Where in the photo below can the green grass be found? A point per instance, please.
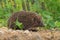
(48, 9)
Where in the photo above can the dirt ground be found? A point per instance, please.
(9, 34)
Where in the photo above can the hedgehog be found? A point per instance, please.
(28, 19)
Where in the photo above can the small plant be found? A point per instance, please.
(18, 24)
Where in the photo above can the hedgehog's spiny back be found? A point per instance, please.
(29, 20)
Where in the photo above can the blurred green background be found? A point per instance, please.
(48, 9)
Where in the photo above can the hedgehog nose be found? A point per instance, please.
(42, 25)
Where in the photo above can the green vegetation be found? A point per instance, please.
(48, 9)
(19, 24)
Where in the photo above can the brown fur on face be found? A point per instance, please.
(28, 19)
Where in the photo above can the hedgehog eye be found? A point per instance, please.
(39, 22)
